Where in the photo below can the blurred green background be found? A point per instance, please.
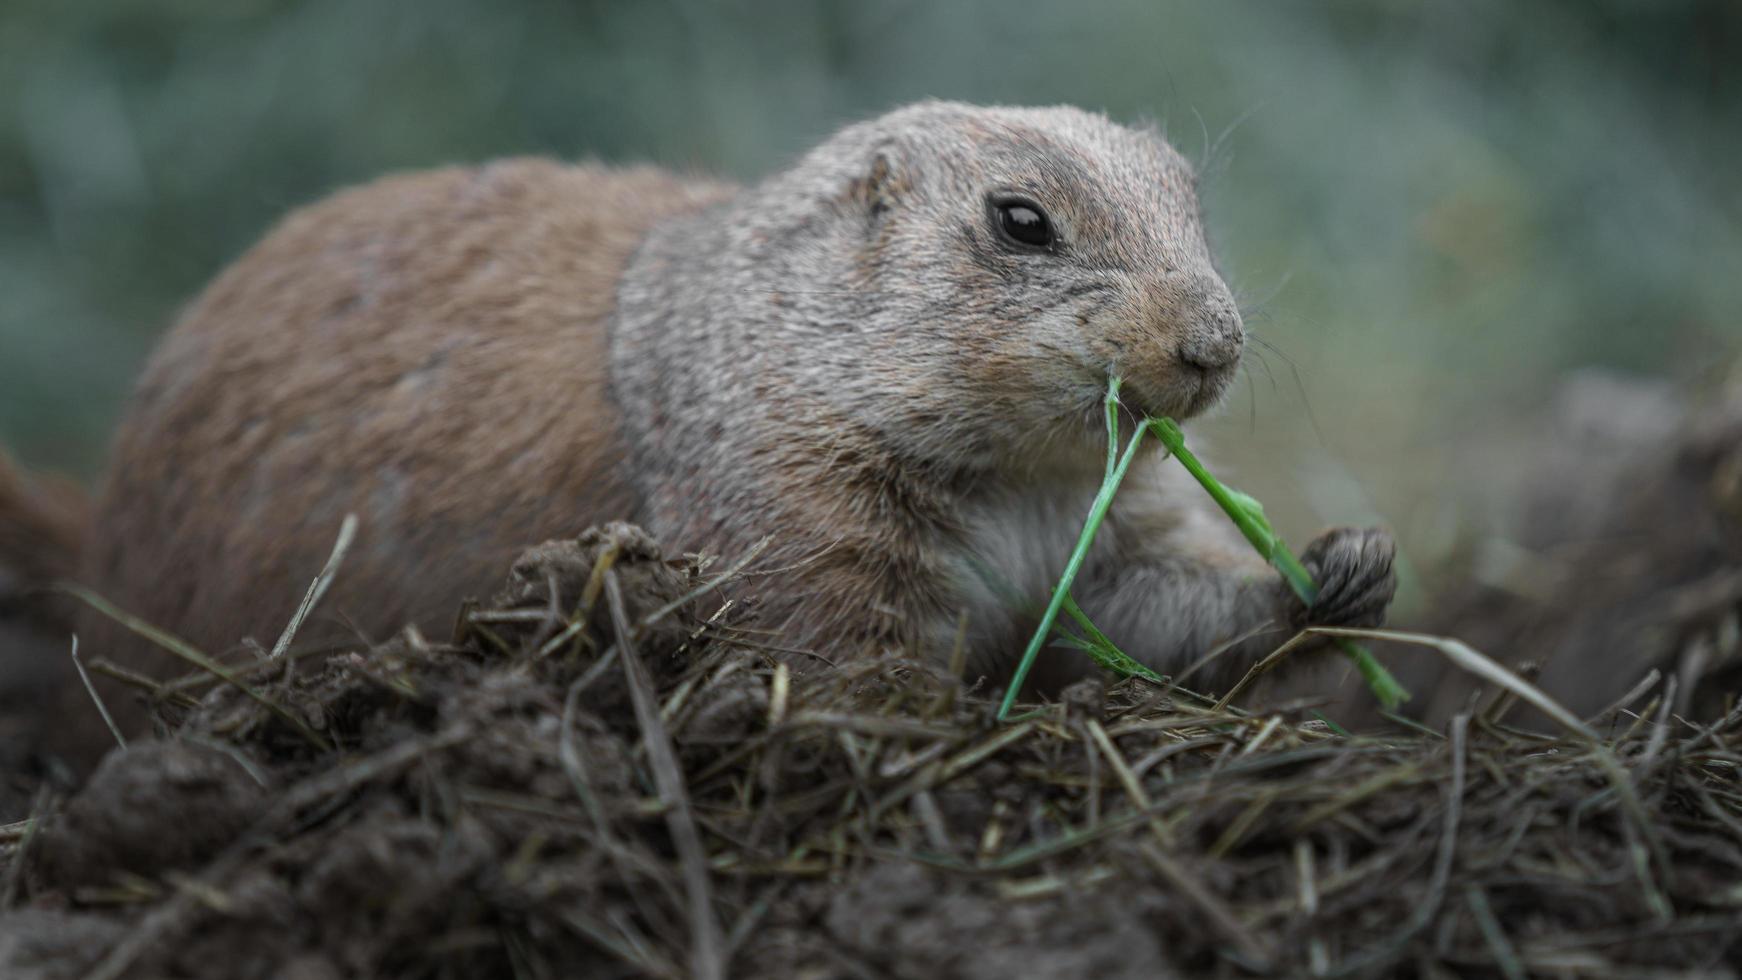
(1432, 210)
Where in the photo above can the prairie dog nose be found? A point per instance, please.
(1211, 336)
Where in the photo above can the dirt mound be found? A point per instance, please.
(1618, 551)
(603, 773)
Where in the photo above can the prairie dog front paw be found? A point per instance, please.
(1352, 567)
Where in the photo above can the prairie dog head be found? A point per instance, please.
(970, 276)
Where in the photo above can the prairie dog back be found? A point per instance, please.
(425, 350)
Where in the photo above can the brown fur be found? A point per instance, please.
(42, 535)
(427, 351)
(43, 522)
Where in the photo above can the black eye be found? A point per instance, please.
(1023, 222)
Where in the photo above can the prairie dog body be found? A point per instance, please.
(890, 357)
(428, 352)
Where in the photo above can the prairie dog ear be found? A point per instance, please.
(882, 185)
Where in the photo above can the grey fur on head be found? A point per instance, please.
(871, 279)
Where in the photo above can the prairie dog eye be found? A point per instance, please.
(1022, 222)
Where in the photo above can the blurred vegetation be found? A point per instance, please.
(1433, 208)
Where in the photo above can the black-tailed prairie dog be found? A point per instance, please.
(891, 357)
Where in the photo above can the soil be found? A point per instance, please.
(1618, 551)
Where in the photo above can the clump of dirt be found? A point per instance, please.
(1618, 552)
(115, 826)
(604, 772)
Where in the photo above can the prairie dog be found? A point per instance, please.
(891, 357)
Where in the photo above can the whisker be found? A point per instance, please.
(1272, 348)
(1204, 150)
(1252, 399)
(1245, 300)
(1212, 161)
(1299, 386)
(1266, 366)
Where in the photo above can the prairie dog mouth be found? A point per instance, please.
(1190, 394)
(1208, 388)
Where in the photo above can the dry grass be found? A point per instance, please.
(634, 787)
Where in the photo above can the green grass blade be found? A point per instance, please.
(1104, 651)
(1385, 688)
(1248, 515)
(1061, 592)
(1333, 726)
(1111, 405)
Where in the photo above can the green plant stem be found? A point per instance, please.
(1097, 513)
(1104, 651)
(1379, 680)
(1247, 515)
(1249, 518)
